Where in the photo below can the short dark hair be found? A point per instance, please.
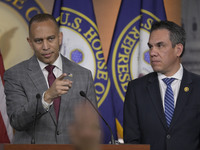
(41, 18)
(177, 33)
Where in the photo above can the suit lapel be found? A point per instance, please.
(38, 79)
(36, 75)
(65, 99)
(154, 91)
(183, 96)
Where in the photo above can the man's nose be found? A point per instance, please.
(45, 45)
(153, 51)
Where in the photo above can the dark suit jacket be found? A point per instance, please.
(144, 118)
(23, 82)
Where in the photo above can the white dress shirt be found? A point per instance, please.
(175, 85)
(57, 72)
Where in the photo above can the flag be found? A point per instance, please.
(6, 131)
(2, 69)
(81, 44)
(129, 54)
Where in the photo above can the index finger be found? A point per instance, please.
(62, 76)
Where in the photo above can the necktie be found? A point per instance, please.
(169, 100)
(51, 77)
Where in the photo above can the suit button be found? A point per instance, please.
(58, 132)
(168, 136)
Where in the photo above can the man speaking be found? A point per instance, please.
(48, 84)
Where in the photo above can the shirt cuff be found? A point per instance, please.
(45, 104)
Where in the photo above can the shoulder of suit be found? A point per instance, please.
(20, 66)
(144, 79)
(74, 65)
(193, 76)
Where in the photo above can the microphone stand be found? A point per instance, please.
(112, 137)
(35, 118)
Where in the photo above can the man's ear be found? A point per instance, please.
(60, 36)
(179, 49)
(30, 42)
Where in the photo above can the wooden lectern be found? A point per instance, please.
(69, 147)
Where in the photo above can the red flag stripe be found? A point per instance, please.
(2, 69)
(6, 131)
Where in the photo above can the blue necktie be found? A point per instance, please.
(169, 100)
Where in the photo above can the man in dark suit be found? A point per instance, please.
(57, 80)
(163, 108)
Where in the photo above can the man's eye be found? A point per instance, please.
(38, 41)
(51, 38)
(160, 45)
(150, 46)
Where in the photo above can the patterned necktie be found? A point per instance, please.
(169, 100)
(51, 78)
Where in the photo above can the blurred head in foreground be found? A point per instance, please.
(85, 132)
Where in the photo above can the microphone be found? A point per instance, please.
(38, 96)
(111, 133)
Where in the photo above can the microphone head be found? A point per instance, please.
(38, 96)
(82, 94)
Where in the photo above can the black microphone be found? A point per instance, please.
(38, 96)
(111, 133)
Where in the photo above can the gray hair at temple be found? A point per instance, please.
(177, 33)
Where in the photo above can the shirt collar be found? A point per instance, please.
(178, 75)
(57, 63)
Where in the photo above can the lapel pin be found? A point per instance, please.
(186, 89)
(70, 75)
